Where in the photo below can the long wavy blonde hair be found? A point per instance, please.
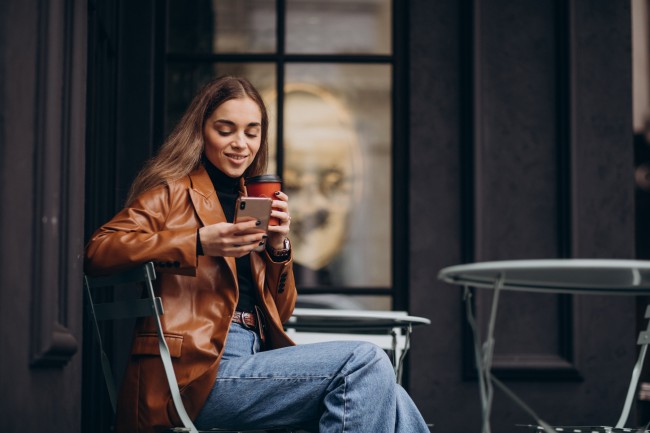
(181, 153)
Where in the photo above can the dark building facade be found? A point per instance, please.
(512, 140)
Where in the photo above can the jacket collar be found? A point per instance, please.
(200, 182)
(204, 197)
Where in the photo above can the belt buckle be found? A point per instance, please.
(246, 315)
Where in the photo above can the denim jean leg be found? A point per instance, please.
(240, 342)
(366, 398)
(408, 417)
(327, 387)
(266, 389)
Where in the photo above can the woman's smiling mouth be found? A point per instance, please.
(236, 157)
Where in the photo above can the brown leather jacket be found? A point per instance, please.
(199, 295)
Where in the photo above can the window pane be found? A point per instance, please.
(324, 26)
(185, 79)
(337, 173)
(221, 26)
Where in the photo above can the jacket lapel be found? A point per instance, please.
(206, 204)
(258, 269)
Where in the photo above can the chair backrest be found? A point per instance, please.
(147, 306)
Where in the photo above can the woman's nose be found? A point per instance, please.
(239, 141)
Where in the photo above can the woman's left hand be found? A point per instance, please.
(277, 234)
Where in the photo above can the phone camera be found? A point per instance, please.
(242, 205)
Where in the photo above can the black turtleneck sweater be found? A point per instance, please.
(228, 190)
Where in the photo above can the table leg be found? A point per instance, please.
(631, 391)
(478, 360)
(484, 354)
(643, 341)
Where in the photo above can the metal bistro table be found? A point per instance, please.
(571, 276)
(390, 330)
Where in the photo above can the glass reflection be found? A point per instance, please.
(337, 173)
(221, 26)
(324, 26)
(322, 173)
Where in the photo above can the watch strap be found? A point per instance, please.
(281, 253)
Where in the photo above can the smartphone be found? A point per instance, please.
(254, 209)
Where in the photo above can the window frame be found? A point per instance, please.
(397, 59)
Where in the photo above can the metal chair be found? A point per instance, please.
(147, 306)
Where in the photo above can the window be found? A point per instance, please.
(331, 98)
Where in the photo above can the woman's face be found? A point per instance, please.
(232, 135)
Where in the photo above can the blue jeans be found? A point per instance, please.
(344, 386)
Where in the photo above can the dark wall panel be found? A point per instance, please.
(120, 123)
(603, 195)
(41, 218)
(515, 137)
(521, 148)
(435, 217)
(517, 199)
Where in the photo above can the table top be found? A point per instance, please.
(332, 319)
(593, 276)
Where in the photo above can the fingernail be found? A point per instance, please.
(261, 243)
(264, 236)
(277, 193)
(258, 222)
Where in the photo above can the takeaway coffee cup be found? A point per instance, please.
(264, 186)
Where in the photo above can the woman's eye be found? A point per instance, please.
(223, 133)
(249, 135)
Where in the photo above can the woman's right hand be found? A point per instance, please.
(231, 240)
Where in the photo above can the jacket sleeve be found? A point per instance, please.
(139, 234)
(281, 283)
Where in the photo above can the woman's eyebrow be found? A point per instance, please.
(231, 123)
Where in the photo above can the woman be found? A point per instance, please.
(224, 302)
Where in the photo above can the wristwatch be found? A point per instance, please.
(282, 253)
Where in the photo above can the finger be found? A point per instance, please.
(284, 217)
(238, 250)
(249, 238)
(246, 225)
(280, 205)
(283, 230)
(281, 196)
